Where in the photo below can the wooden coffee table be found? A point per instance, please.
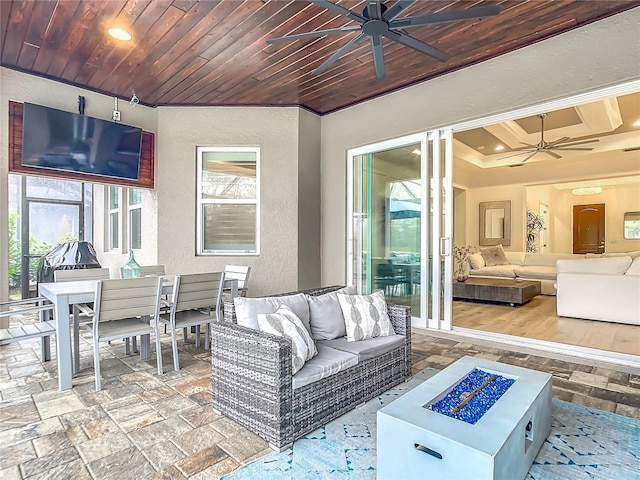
(497, 290)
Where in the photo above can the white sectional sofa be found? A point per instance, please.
(606, 289)
(524, 266)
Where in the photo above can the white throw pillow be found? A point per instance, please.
(476, 260)
(365, 316)
(285, 323)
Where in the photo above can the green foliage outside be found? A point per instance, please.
(15, 252)
(632, 229)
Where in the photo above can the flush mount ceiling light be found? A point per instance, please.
(587, 190)
(416, 151)
(636, 123)
(119, 34)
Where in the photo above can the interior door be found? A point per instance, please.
(588, 228)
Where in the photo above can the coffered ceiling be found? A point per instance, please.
(614, 159)
(609, 125)
(215, 52)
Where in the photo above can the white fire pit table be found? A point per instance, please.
(416, 442)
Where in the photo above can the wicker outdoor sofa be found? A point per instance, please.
(253, 383)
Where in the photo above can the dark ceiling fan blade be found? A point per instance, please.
(341, 10)
(373, 9)
(317, 33)
(378, 57)
(580, 142)
(441, 17)
(411, 42)
(352, 43)
(554, 155)
(397, 8)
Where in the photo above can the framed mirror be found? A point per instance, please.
(495, 223)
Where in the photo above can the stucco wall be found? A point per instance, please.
(309, 238)
(602, 54)
(275, 131)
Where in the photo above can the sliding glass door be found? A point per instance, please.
(395, 242)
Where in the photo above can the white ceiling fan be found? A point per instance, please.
(562, 144)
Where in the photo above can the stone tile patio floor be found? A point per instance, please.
(145, 426)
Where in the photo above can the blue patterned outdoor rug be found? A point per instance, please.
(584, 444)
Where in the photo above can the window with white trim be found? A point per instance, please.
(114, 218)
(135, 218)
(228, 192)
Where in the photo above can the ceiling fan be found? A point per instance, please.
(377, 21)
(562, 144)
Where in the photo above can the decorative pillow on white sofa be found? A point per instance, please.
(476, 260)
(285, 323)
(365, 316)
(611, 265)
(325, 314)
(247, 309)
(494, 256)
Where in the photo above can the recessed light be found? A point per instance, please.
(499, 148)
(119, 34)
(636, 123)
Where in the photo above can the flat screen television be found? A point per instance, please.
(68, 141)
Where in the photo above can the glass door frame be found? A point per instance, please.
(441, 235)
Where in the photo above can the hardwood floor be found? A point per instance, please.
(537, 319)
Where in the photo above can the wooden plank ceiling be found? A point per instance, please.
(187, 52)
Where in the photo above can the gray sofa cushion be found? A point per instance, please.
(328, 362)
(537, 272)
(326, 319)
(247, 309)
(366, 349)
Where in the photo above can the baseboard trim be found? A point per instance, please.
(558, 350)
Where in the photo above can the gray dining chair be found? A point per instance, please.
(122, 309)
(241, 274)
(82, 312)
(197, 300)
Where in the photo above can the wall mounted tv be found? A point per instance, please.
(68, 141)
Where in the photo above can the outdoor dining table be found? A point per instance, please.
(65, 294)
